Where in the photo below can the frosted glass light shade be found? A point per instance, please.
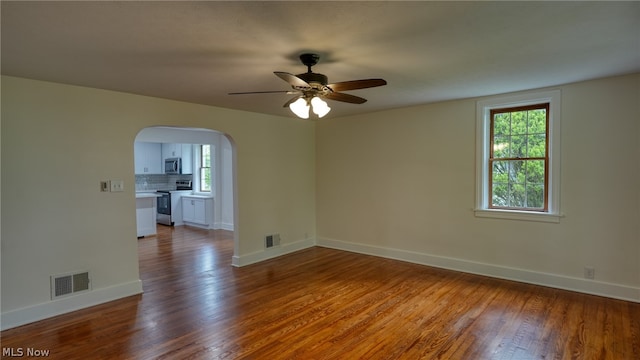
(300, 108)
(320, 107)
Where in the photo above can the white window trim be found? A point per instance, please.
(197, 157)
(483, 123)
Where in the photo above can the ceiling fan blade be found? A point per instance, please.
(291, 101)
(293, 80)
(264, 92)
(357, 84)
(345, 98)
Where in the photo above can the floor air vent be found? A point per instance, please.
(62, 285)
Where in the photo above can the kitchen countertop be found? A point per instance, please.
(146, 194)
(151, 194)
(198, 196)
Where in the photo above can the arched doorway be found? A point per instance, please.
(193, 143)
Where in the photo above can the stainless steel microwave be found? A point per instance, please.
(173, 166)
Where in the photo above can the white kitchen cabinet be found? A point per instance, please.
(187, 159)
(197, 210)
(147, 158)
(171, 150)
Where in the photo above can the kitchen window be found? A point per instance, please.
(204, 169)
(518, 153)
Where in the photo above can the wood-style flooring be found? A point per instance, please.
(326, 304)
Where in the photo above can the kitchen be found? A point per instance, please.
(183, 176)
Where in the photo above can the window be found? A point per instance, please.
(518, 158)
(518, 172)
(205, 168)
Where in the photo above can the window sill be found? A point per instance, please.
(202, 193)
(518, 215)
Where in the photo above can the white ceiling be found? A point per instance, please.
(427, 51)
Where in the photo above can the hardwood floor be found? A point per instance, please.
(327, 304)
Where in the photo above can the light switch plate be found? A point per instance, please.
(117, 185)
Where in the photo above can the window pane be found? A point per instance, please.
(500, 196)
(500, 183)
(535, 196)
(537, 121)
(519, 122)
(518, 146)
(206, 155)
(536, 145)
(501, 147)
(517, 196)
(517, 171)
(535, 171)
(205, 179)
(500, 172)
(502, 124)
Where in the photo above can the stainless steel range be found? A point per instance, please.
(169, 210)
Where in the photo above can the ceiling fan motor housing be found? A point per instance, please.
(312, 78)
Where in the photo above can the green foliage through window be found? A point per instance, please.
(205, 168)
(518, 161)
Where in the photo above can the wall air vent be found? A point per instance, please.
(67, 284)
(272, 240)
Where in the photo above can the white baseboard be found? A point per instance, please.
(616, 291)
(23, 316)
(272, 252)
(215, 226)
(223, 226)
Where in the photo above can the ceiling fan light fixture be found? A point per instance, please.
(300, 107)
(320, 107)
(313, 87)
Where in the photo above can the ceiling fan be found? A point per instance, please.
(310, 88)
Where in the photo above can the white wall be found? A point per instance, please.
(225, 184)
(400, 183)
(60, 141)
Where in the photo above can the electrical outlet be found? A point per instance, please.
(589, 272)
(117, 185)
